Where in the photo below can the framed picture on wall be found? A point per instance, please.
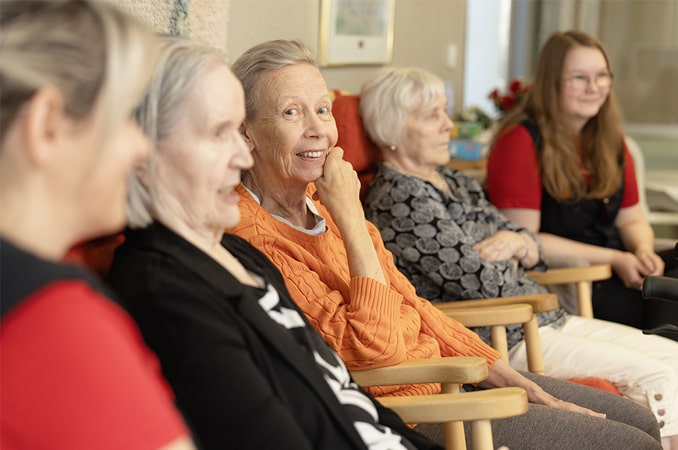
(354, 32)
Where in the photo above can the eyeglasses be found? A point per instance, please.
(580, 82)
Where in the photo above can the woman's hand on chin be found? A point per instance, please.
(339, 187)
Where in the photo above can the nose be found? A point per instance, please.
(592, 84)
(243, 154)
(449, 123)
(315, 126)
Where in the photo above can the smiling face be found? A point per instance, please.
(199, 163)
(293, 128)
(423, 145)
(586, 85)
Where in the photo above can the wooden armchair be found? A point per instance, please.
(499, 312)
(536, 303)
(450, 407)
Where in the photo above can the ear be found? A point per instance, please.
(141, 171)
(42, 126)
(246, 133)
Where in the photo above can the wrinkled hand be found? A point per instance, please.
(541, 397)
(561, 404)
(502, 375)
(339, 187)
(501, 246)
(630, 269)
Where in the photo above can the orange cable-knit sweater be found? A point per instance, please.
(368, 323)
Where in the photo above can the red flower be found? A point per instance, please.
(515, 86)
(514, 95)
(507, 102)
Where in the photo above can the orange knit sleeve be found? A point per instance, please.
(359, 317)
(454, 339)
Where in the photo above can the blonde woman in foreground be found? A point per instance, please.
(75, 372)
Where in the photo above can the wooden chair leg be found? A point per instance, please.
(481, 435)
(455, 437)
(535, 357)
(499, 341)
(584, 299)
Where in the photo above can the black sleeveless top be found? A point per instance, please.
(24, 273)
(590, 221)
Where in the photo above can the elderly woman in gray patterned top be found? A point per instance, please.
(453, 244)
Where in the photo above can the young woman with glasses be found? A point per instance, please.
(559, 166)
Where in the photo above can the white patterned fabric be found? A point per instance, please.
(358, 406)
(431, 234)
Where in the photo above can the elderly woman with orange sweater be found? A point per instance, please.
(300, 206)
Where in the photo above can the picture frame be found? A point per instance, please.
(356, 32)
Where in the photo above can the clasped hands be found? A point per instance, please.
(632, 268)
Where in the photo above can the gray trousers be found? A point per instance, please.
(627, 426)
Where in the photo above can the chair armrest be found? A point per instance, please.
(492, 315)
(538, 302)
(594, 272)
(581, 277)
(488, 404)
(456, 370)
(451, 409)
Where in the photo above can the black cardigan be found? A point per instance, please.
(240, 380)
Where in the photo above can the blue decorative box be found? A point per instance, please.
(465, 149)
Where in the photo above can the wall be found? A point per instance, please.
(422, 31)
(204, 20)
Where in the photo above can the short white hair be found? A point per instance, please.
(265, 58)
(388, 98)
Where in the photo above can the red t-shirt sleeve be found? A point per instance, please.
(631, 196)
(76, 374)
(513, 179)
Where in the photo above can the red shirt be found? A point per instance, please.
(75, 374)
(513, 179)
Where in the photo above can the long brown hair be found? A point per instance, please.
(601, 138)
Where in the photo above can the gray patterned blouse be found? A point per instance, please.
(432, 233)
